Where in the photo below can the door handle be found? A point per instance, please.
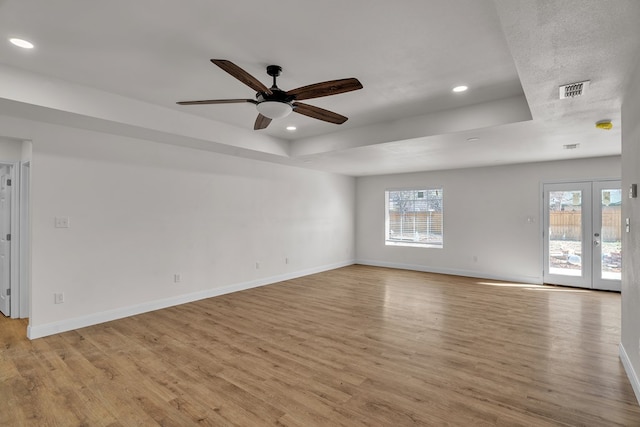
(596, 243)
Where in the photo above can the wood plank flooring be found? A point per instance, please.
(353, 346)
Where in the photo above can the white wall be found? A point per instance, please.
(630, 341)
(486, 213)
(10, 150)
(142, 211)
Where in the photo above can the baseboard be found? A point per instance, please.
(453, 272)
(52, 328)
(631, 373)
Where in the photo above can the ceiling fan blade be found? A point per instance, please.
(332, 87)
(217, 101)
(318, 113)
(241, 75)
(261, 122)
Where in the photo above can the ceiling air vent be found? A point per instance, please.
(573, 90)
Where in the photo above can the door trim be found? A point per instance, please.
(24, 239)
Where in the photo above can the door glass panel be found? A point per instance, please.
(565, 233)
(611, 234)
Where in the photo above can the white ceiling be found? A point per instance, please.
(121, 65)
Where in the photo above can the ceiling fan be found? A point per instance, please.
(274, 103)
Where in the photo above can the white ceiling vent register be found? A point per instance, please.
(573, 90)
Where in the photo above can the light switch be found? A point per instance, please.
(62, 222)
(58, 298)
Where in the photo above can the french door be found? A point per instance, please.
(582, 234)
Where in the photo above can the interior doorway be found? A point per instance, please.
(582, 234)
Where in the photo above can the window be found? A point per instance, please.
(414, 218)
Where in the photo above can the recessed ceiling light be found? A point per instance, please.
(460, 88)
(291, 128)
(22, 43)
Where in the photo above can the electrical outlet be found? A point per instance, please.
(58, 298)
(257, 266)
(177, 278)
(62, 222)
(286, 260)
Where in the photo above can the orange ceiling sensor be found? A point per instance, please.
(604, 124)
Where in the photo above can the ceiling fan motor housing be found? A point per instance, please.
(276, 95)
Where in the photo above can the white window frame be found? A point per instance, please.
(419, 240)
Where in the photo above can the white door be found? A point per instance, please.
(5, 244)
(582, 232)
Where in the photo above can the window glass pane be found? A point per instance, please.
(611, 234)
(414, 217)
(565, 233)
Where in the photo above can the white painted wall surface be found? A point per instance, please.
(486, 213)
(630, 340)
(141, 212)
(10, 150)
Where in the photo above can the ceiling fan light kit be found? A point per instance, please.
(274, 103)
(274, 109)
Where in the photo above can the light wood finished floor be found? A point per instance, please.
(354, 346)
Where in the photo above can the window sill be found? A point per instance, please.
(414, 244)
